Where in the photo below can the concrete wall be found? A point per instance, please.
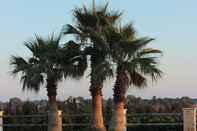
(189, 119)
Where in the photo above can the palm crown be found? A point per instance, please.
(135, 61)
(88, 29)
(41, 66)
(49, 62)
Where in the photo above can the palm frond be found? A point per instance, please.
(102, 71)
(32, 81)
(137, 79)
(74, 60)
(128, 32)
(71, 30)
(134, 45)
(148, 51)
(19, 65)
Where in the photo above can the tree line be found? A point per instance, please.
(78, 110)
(78, 105)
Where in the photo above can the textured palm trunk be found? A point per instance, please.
(97, 111)
(96, 93)
(53, 114)
(53, 109)
(118, 122)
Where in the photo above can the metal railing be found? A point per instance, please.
(81, 122)
(155, 122)
(135, 122)
(37, 122)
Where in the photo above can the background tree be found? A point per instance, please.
(29, 108)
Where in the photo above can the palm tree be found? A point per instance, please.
(89, 27)
(135, 63)
(44, 67)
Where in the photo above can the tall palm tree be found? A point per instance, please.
(88, 29)
(44, 67)
(135, 63)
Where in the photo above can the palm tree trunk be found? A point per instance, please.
(53, 109)
(96, 93)
(52, 115)
(97, 110)
(118, 122)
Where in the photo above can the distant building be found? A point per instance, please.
(15, 105)
(1, 106)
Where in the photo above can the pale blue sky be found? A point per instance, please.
(172, 22)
